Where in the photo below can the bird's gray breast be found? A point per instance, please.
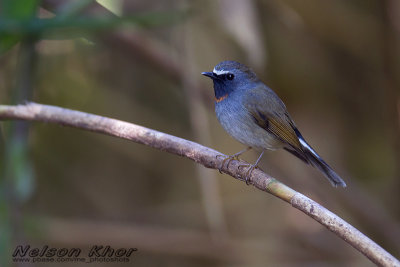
(239, 123)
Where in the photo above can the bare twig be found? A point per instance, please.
(207, 157)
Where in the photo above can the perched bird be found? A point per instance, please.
(254, 115)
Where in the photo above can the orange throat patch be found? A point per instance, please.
(217, 100)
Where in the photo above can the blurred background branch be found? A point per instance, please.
(16, 169)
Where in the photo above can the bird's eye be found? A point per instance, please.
(230, 76)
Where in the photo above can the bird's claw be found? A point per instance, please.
(250, 169)
(227, 159)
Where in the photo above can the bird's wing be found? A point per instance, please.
(269, 112)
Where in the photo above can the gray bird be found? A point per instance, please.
(254, 115)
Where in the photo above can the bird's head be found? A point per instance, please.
(230, 76)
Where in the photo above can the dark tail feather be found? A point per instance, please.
(309, 156)
(320, 164)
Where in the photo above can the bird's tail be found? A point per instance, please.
(311, 157)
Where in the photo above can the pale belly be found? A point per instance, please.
(241, 126)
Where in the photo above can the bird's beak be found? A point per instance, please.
(209, 74)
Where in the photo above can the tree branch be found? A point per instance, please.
(208, 158)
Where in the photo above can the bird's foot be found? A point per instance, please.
(227, 159)
(251, 168)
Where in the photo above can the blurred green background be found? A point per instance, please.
(334, 63)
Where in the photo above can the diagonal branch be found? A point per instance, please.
(208, 158)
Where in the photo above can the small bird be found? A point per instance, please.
(254, 115)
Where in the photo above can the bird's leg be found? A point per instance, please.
(232, 157)
(251, 168)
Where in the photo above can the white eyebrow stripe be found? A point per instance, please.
(220, 72)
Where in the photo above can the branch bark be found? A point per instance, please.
(206, 157)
